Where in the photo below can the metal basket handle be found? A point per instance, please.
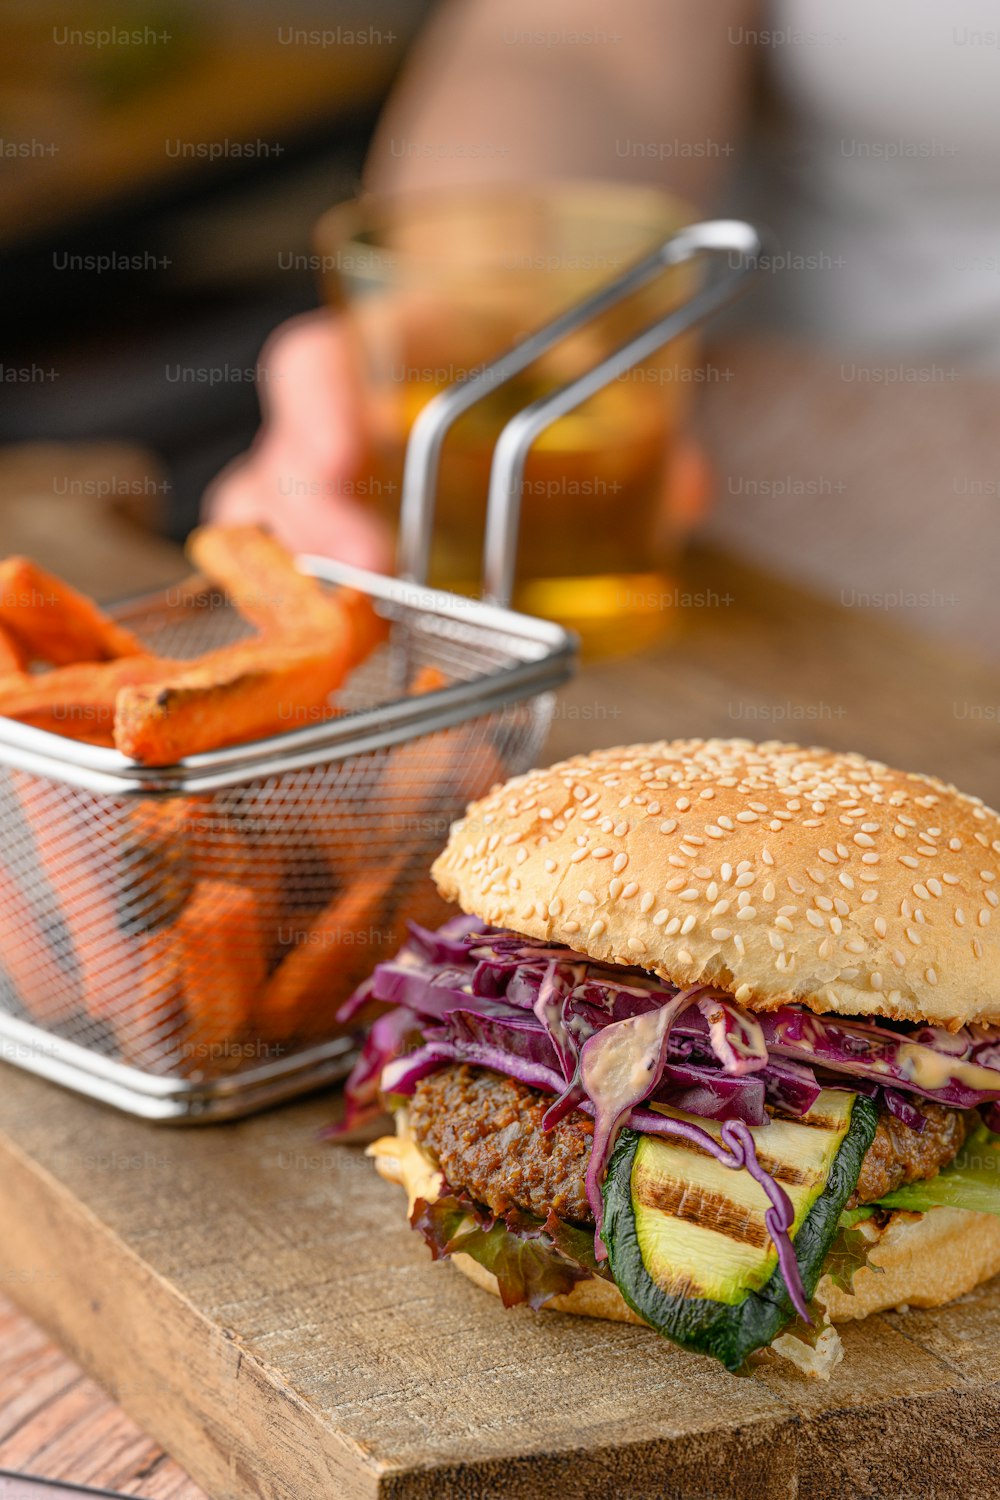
(738, 241)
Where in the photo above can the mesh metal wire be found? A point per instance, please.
(198, 936)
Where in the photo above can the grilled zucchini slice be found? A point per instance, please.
(686, 1238)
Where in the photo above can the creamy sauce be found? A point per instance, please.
(929, 1070)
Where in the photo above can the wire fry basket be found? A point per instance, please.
(176, 942)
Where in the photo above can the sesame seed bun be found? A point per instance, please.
(780, 874)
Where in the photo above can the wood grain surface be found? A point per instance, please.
(257, 1302)
(57, 1423)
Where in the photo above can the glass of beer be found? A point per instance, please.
(434, 287)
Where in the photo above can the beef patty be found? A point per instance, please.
(485, 1133)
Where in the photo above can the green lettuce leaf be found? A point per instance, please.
(850, 1249)
(533, 1260)
(971, 1181)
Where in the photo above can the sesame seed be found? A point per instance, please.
(869, 895)
(721, 934)
(721, 907)
(726, 872)
(546, 814)
(690, 894)
(745, 879)
(739, 944)
(587, 898)
(682, 804)
(880, 928)
(668, 826)
(865, 840)
(684, 956)
(825, 948)
(922, 892)
(854, 945)
(577, 855)
(776, 940)
(615, 888)
(602, 853)
(934, 886)
(977, 947)
(661, 916)
(768, 891)
(984, 916)
(784, 924)
(636, 945)
(550, 866)
(672, 926)
(746, 817)
(914, 936)
(631, 889)
(621, 860)
(688, 923)
(647, 902)
(814, 918)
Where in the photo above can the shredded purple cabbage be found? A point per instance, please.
(614, 1041)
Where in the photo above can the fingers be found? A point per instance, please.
(309, 393)
(296, 478)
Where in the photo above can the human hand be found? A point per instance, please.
(296, 478)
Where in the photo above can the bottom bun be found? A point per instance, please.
(926, 1260)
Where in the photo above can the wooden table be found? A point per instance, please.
(256, 1301)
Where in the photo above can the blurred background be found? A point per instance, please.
(166, 164)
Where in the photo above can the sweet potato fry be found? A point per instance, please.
(27, 957)
(13, 657)
(426, 680)
(156, 872)
(78, 856)
(281, 686)
(261, 578)
(149, 1017)
(55, 623)
(222, 964)
(333, 954)
(77, 700)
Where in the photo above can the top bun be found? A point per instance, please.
(778, 873)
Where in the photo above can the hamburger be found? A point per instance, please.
(713, 1045)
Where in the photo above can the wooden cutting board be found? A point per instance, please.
(256, 1300)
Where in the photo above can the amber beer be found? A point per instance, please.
(436, 289)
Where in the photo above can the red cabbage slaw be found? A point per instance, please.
(614, 1042)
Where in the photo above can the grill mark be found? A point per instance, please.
(779, 1170)
(710, 1210)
